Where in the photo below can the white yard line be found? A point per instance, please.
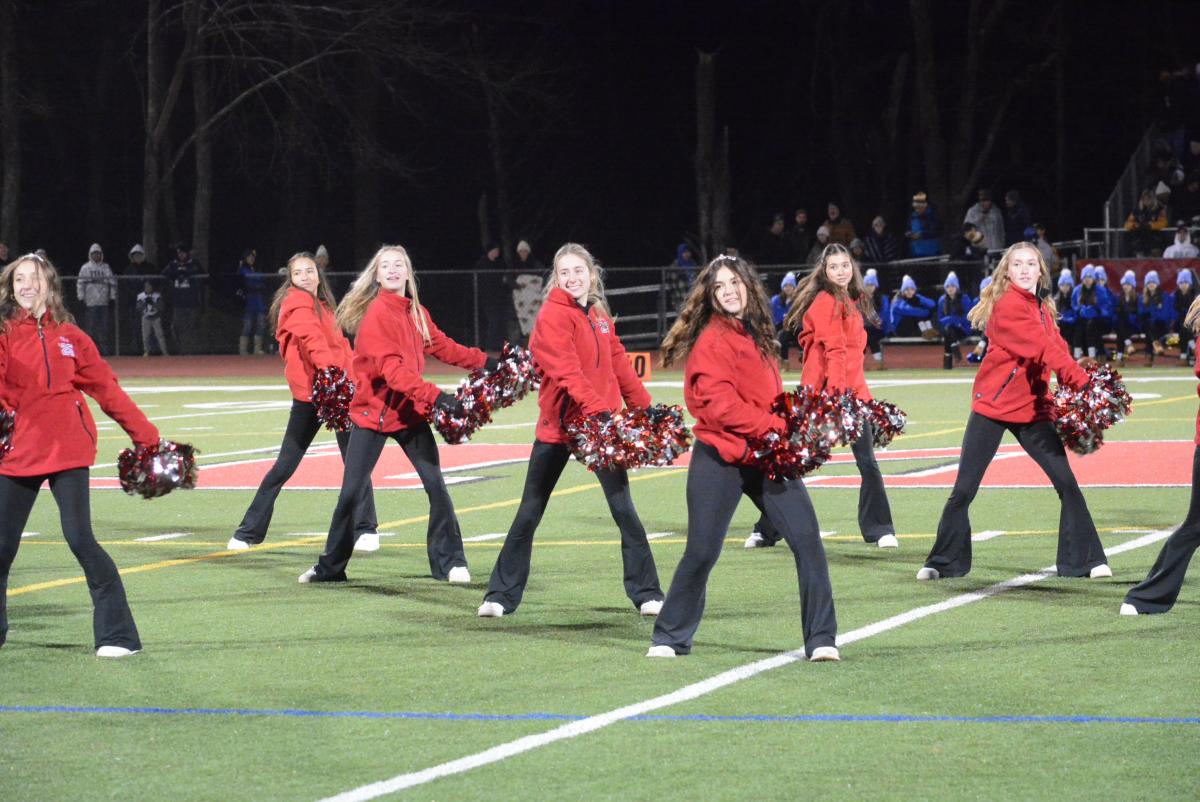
(694, 691)
(488, 536)
(168, 536)
(988, 534)
(30, 534)
(657, 535)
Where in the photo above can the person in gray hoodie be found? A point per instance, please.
(97, 288)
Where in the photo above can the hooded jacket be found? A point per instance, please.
(45, 368)
(833, 339)
(309, 342)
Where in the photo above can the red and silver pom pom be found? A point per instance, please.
(635, 438)
(482, 392)
(1081, 416)
(887, 420)
(8, 420)
(153, 471)
(816, 422)
(332, 393)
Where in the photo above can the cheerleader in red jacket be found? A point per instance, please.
(731, 377)
(1012, 393)
(1158, 592)
(46, 364)
(302, 313)
(829, 309)
(393, 333)
(585, 372)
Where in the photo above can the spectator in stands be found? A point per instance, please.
(254, 310)
(685, 263)
(1158, 312)
(772, 247)
(841, 230)
(1186, 199)
(924, 229)
(818, 248)
(799, 239)
(971, 247)
(856, 250)
(1016, 217)
(138, 266)
(952, 310)
(527, 292)
(149, 310)
(1062, 302)
(1108, 298)
(1182, 248)
(320, 257)
(912, 314)
(876, 333)
(495, 297)
(1148, 218)
(988, 219)
(1127, 312)
(185, 275)
(1185, 293)
(880, 245)
(128, 291)
(980, 351)
(1090, 315)
(780, 304)
(97, 288)
(1037, 235)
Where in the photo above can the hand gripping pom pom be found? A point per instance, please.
(153, 471)
(1081, 416)
(8, 420)
(481, 393)
(332, 393)
(635, 438)
(887, 420)
(816, 422)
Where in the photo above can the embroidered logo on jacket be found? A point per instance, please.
(602, 326)
(66, 347)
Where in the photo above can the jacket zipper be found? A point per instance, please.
(83, 423)
(1011, 376)
(595, 336)
(387, 402)
(45, 353)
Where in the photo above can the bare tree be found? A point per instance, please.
(711, 164)
(10, 122)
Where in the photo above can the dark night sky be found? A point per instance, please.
(615, 164)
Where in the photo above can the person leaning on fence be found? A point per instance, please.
(1157, 311)
(1127, 316)
(185, 274)
(97, 288)
(149, 310)
(254, 310)
(780, 304)
(1148, 218)
(952, 309)
(1067, 319)
(1091, 315)
(912, 313)
(1183, 297)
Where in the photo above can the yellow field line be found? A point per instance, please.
(1140, 404)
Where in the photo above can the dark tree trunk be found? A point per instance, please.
(366, 172)
(202, 106)
(10, 124)
(703, 165)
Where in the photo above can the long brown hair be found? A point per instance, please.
(10, 308)
(595, 295)
(701, 307)
(366, 287)
(323, 301)
(818, 281)
(982, 311)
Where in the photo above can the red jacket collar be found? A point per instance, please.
(563, 298)
(401, 303)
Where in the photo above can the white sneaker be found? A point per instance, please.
(367, 541)
(660, 651)
(115, 651)
(928, 573)
(236, 545)
(490, 610)
(1100, 572)
(652, 607)
(825, 654)
(459, 575)
(888, 542)
(1129, 609)
(755, 540)
(308, 576)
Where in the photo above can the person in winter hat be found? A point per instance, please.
(876, 331)
(977, 355)
(952, 309)
(1062, 302)
(1090, 303)
(97, 288)
(1127, 315)
(912, 313)
(1157, 313)
(1185, 293)
(1182, 248)
(780, 304)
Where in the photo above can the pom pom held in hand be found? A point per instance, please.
(816, 422)
(483, 392)
(332, 393)
(8, 420)
(631, 439)
(1081, 416)
(887, 420)
(153, 471)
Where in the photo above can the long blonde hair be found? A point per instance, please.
(322, 301)
(354, 305)
(10, 308)
(1192, 318)
(595, 295)
(982, 311)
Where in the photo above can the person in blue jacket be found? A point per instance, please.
(924, 228)
(912, 314)
(876, 333)
(1185, 293)
(780, 304)
(1062, 301)
(976, 356)
(1090, 307)
(254, 313)
(1127, 314)
(1109, 297)
(1158, 312)
(952, 310)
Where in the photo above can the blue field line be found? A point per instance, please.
(804, 718)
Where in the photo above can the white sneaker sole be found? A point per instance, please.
(458, 575)
(660, 651)
(115, 652)
(236, 545)
(1100, 572)
(825, 654)
(926, 574)
(367, 542)
(888, 542)
(650, 608)
(490, 610)
(1129, 609)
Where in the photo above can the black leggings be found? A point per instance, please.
(302, 427)
(1156, 330)
(1079, 548)
(443, 539)
(112, 622)
(1090, 334)
(546, 463)
(874, 340)
(874, 511)
(1159, 590)
(714, 487)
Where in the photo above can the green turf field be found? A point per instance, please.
(252, 686)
